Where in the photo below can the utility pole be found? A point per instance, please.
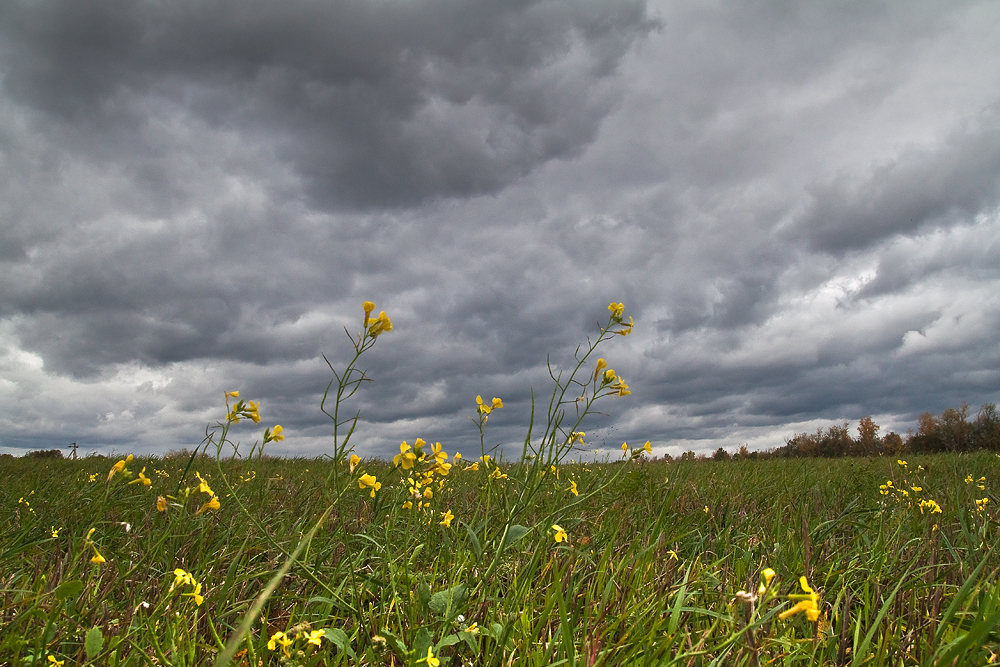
(74, 448)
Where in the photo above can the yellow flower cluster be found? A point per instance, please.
(242, 409)
(485, 409)
(425, 465)
(213, 501)
(377, 325)
(617, 317)
(97, 558)
(121, 467)
(807, 602)
(183, 578)
(614, 383)
(910, 491)
(280, 640)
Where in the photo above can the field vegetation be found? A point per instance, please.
(226, 556)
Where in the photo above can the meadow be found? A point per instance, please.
(228, 557)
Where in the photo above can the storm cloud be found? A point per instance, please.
(797, 202)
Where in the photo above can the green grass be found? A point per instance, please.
(895, 589)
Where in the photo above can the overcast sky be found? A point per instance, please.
(797, 202)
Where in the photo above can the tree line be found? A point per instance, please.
(951, 431)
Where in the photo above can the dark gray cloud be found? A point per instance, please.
(798, 204)
(374, 103)
(947, 185)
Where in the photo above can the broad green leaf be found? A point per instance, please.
(69, 589)
(340, 639)
(93, 642)
(447, 603)
(514, 533)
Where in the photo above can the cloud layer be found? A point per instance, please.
(798, 205)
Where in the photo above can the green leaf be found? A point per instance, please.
(423, 595)
(447, 603)
(69, 589)
(93, 642)
(514, 533)
(340, 639)
(477, 548)
(422, 642)
(397, 643)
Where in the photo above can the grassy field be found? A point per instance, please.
(650, 571)
(433, 560)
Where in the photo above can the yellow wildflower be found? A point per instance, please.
(119, 467)
(621, 388)
(627, 330)
(497, 403)
(446, 518)
(355, 460)
(559, 533)
(276, 433)
(577, 437)
(93, 478)
(601, 365)
(211, 504)
(406, 458)
(572, 488)
(482, 407)
(616, 309)
(368, 307)
(369, 481)
(407, 505)
(251, 411)
(161, 504)
(430, 659)
(673, 554)
(980, 505)
(232, 394)
(203, 486)
(97, 557)
(931, 506)
(609, 376)
(807, 603)
(54, 531)
(901, 462)
(380, 325)
(473, 629)
(196, 594)
(55, 663)
(648, 448)
(472, 466)
(142, 479)
(313, 637)
(624, 449)
(496, 474)
(281, 638)
(767, 574)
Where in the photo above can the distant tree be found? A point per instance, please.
(986, 428)
(955, 430)
(928, 438)
(45, 454)
(837, 441)
(720, 455)
(869, 444)
(892, 444)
